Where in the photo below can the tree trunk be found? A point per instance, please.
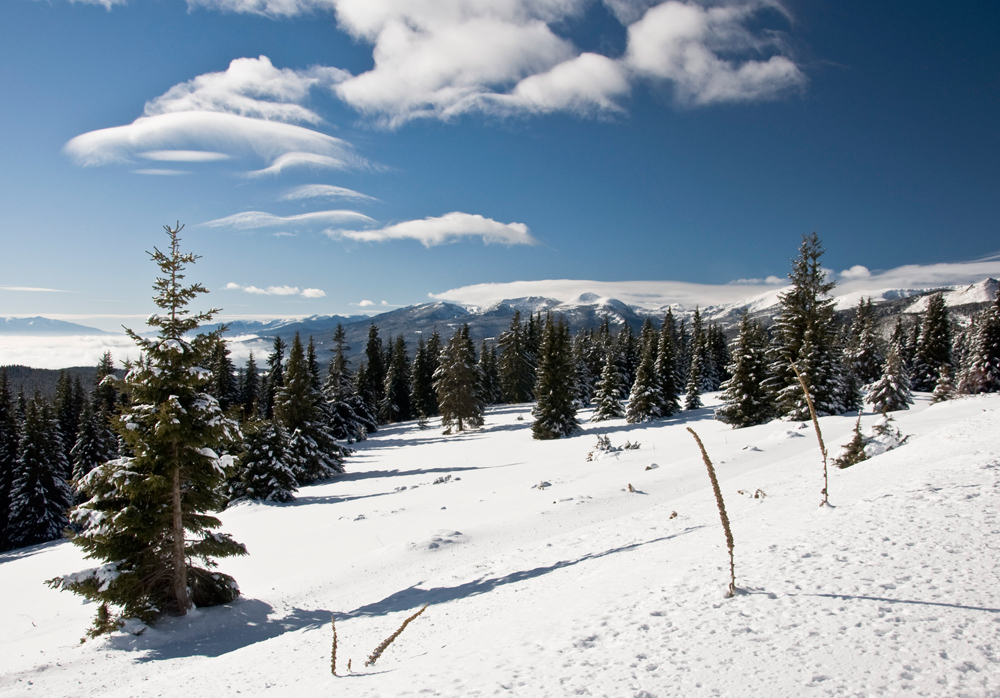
(179, 572)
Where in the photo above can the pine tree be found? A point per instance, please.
(746, 400)
(490, 371)
(609, 404)
(933, 349)
(983, 372)
(68, 405)
(807, 311)
(863, 347)
(457, 382)
(584, 379)
(275, 376)
(718, 350)
(644, 402)
(422, 395)
(314, 453)
(338, 380)
(223, 386)
(250, 393)
(397, 406)
(944, 389)
(555, 410)
(666, 366)
(627, 354)
(92, 446)
(39, 497)
(105, 395)
(692, 393)
(148, 516)
(372, 382)
(265, 473)
(8, 455)
(892, 391)
(515, 363)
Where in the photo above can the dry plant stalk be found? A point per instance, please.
(333, 653)
(388, 641)
(819, 435)
(731, 591)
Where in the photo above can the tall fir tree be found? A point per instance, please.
(490, 371)
(666, 366)
(609, 403)
(148, 516)
(397, 406)
(264, 470)
(371, 383)
(92, 447)
(863, 347)
(933, 349)
(807, 313)
(718, 350)
(275, 375)
(982, 373)
(223, 386)
(745, 399)
(68, 405)
(250, 392)
(422, 396)
(8, 455)
(692, 391)
(555, 408)
(891, 391)
(40, 499)
(645, 398)
(338, 380)
(298, 407)
(515, 363)
(457, 382)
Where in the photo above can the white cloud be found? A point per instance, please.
(925, 275)
(769, 281)
(184, 156)
(32, 289)
(685, 44)
(366, 304)
(63, 351)
(211, 131)
(161, 173)
(324, 191)
(287, 160)
(587, 83)
(276, 290)
(450, 227)
(855, 272)
(106, 4)
(251, 220)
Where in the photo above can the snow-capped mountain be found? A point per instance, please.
(41, 326)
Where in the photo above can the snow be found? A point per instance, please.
(581, 587)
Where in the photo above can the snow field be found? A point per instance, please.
(581, 587)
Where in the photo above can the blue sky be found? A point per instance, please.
(325, 153)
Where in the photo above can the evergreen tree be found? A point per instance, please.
(666, 366)
(644, 402)
(627, 353)
(515, 364)
(8, 455)
(371, 385)
(298, 407)
(807, 312)
(490, 371)
(609, 404)
(422, 396)
(397, 406)
(892, 390)
(933, 349)
(457, 381)
(701, 357)
(265, 473)
(863, 347)
(746, 401)
(250, 393)
(92, 446)
(105, 395)
(39, 497)
(555, 410)
(223, 386)
(338, 380)
(692, 392)
(718, 350)
(584, 378)
(148, 516)
(944, 389)
(275, 375)
(68, 405)
(983, 372)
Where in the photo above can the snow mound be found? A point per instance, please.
(439, 540)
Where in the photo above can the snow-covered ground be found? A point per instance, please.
(580, 587)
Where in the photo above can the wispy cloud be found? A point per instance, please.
(251, 220)
(33, 289)
(184, 156)
(769, 281)
(324, 191)
(314, 160)
(276, 290)
(155, 172)
(450, 227)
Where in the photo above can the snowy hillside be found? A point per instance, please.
(578, 587)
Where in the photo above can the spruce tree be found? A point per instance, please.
(338, 380)
(39, 497)
(397, 406)
(746, 400)
(265, 473)
(666, 366)
(555, 409)
(250, 394)
(275, 375)
(457, 382)
(983, 372)
(933, 348)
(609, 404)
(68, 405)
(864, 349)
(692, 391)
(223, 386)
(490, 371)
(944, 389)
(105, 395)
(515, 363)
(372, 382)
(148, 517)
(892, 390)
(422, 396)
(313, 452)
(644, 401)
(807, 311)
(8, 455)
(92, 446)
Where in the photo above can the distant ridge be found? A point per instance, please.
(41, 326)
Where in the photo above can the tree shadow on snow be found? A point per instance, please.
(414, 596)
(214, 632)
(30, 550)
(368, 474)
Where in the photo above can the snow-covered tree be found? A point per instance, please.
(39, 497)
(555, 407)
(933, 349)
(275, 376)
(807, 314)
(609, 404)
(371, 381)
(982, 375)
(746, 400)
(396, 406)
(490, 371)
(666, 366)
(8, 454)
(94, 445)
(692, 391)
(944, 389)
(515, 363)
(863, 347)
(645, 398)
(422, 395)
(457, 382)
(264, 470)
(148, 515)
(892, 390)
(223, 386)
